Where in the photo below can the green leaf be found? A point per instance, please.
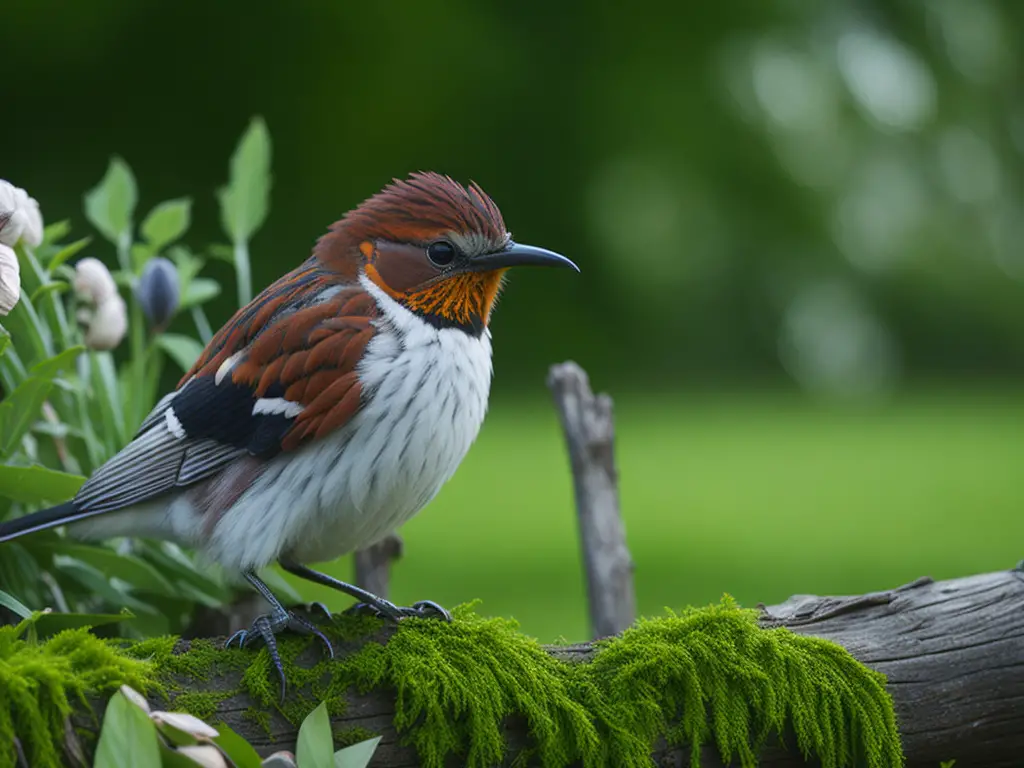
(174, 564)
(5, 340)
(20, 409)
(33, 485)
(238, 749)
(134, 570)
(14, 605)
(128, 738)
(222, 252)
(50, 623)
(243, 202)
(110, 204)
(62, 361)
(140, 253)
(188, 264)
(67, 252)
(356, 756)
(184, 350)
(200, 291)
(316, 741)
(167, 222)
(172, 758)
(56, 231)
(107, 393)
(54, 286)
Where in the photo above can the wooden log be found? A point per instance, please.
(589, 429)
(953, 652)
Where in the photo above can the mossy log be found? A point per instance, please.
(952, 653)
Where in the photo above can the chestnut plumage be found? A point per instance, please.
(328, 410)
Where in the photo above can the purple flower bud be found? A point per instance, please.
(157, 291)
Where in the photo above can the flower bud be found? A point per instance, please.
(10, 279)
(158, 292)
(93, 281)
(103, 314)
(25, 221)
(106, 324)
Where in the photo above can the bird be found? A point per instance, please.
(326, 412)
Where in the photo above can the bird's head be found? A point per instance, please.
(438, 248)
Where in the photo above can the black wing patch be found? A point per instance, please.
(190, 436)
(224, 413)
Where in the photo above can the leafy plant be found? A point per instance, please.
(133, 736)
(71, 401)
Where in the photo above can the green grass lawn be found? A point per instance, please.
(760, 496)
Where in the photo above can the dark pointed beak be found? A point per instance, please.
(516, 255)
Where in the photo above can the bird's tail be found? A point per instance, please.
(40, 521)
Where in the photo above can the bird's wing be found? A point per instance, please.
(280, 373)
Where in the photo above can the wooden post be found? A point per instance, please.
(590, 436)
(373, 565)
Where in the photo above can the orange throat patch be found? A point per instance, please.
(461, 298)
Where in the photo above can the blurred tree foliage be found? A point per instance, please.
(828, 191)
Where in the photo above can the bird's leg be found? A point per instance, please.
(267, 626)
(378, 605)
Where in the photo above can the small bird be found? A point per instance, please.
(329, 410)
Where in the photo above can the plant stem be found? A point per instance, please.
(202, 324)
(243, 272)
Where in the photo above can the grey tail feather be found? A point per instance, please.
(41, 520)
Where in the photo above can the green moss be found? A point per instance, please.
(713, 675)
(41, 681)
(708, 675)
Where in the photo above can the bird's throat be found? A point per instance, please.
(464, 301)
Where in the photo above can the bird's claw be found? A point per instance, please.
(265, 628)
(384, 609)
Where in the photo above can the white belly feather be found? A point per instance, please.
(425, 392)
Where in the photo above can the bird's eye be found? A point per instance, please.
(441, 253)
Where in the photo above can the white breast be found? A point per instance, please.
(425, 392)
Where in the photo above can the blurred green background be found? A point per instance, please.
(801, 228)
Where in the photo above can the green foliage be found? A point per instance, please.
(42, 680)
(357, 755)
(315, 748)
(166, 223)
(66, 410)
(110, 204)
(245, 200)
(128, 737)
(37, 484)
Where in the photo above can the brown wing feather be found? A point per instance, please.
(310, 357)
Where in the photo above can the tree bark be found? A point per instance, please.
(953, 652)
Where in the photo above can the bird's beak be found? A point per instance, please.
(516, 255)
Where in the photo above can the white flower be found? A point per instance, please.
(26, 220)
(10, 279)
(106, 324)
(183, 721)
(93, 281)
(204, 755)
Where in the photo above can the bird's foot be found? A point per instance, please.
(423, 609)
(316, 608)
(265, 629)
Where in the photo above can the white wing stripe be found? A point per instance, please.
(272, 406)
(173, 425)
